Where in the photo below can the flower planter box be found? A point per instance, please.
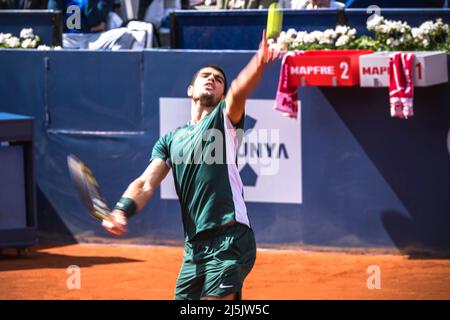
(430, 68)
(326, 68)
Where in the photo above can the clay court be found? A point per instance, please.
(150, 272)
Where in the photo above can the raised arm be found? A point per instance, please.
(140, 191)
(247, 80)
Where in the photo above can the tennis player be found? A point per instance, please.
(220, 247)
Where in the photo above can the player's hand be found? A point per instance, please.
(116, 224)
(265, 53)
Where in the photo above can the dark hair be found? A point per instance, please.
(225, 86)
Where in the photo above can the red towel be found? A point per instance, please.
(287, 97)
(401, 86)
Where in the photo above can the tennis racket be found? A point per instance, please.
(88, 190)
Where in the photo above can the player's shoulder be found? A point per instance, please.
(222, 104)
(169, 135)
(220, 107)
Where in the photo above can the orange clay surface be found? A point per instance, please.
(150, 272)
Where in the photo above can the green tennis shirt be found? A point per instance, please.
(203, 159)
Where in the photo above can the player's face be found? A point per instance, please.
(208, 86)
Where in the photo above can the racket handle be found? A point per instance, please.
(107, 224)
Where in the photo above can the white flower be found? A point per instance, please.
(426, 27)
(291, 33)
(308, 38)
(13, 42)
(439, 25)
(316, 35)
(416, 32)
(29, 43)
(383, 28)
(330, 33)
(283, 41)
(405, 28)
(327, 37)
(425, 42)
(282, 37)
(380, 25)
(58, 48)
(26, 43)
(342, 30)
(26, 33)
(374, 21)
(297, 4)
(4, 37)
(301, 36)
(43, 47)
(325, 40)
(391, 26)
(398, 26)
(393, 42)
(342, 41)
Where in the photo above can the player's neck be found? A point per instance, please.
(199, 111)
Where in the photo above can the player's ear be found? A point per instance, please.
(190, 90)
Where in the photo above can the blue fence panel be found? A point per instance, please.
(47, 24)
(94, 95)
(239, 29)
(367, 179)
(414, 17)
(242, 29)
(395, 3)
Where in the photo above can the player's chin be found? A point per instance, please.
(206, 94)
(208, 98)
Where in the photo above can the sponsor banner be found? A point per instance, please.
(325, 68)
(429, 68)
(269, 157)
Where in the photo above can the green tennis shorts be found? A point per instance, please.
(216, 262)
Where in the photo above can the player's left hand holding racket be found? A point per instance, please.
(89, 192)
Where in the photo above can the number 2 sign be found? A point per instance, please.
(325, 68)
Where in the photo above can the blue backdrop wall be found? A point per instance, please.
(241, 29)
(48, 24)
(366, 179)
